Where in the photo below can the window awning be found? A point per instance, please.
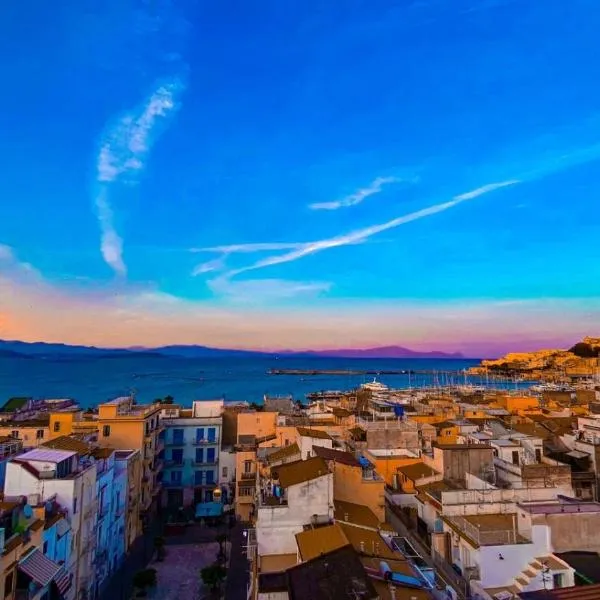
(63, 581)
(39, 567)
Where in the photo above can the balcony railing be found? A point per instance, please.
(174, 463)
(205, 463)
(204, 441)
(175, 442)
(173, 484)
(496, 537)
(247, 476)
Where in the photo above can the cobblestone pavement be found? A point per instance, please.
(179, 574)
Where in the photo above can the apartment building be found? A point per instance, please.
(124, 425)
(191, 474)
(47, 475)
(35, 542)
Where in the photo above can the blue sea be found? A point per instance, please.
(91, 380)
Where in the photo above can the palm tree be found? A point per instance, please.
(213, 576)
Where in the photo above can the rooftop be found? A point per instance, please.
(283, 453)
(559, 506)
(338, 575)
(417, 471)
(359, 514)
(336, 455)
(45, 455)
(391, 453)
(313, 433)
(65, 442)
(300, 471)
(319, 541)
(586, 592)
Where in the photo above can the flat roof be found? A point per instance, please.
(46, 455)
(391, 453)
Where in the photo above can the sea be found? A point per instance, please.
(92, 380)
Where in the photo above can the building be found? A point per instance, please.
(9, 447)
(124, 425)
(46, 475)
(31, 432)
(193, 442)
(34, 541)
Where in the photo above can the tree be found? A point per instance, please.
(168, 400)
(213, 576)
(221, 539)
(144, 579)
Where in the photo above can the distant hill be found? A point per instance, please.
(383, 352)
(65, 351)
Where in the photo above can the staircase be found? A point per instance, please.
(529, 573)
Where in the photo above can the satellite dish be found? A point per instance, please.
(28, 511)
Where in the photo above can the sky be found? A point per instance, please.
(301, 174)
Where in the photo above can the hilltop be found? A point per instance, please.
(582, 359)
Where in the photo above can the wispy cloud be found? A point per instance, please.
(361, 235)
(374, 187)
(249, 248)
(123, 152)
(259, 290)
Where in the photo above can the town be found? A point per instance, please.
(375, 493)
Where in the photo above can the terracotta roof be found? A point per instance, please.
(357, 433)
(359, 514)
(8, 505)
(315, 542)
(417, 471)
(340, 412)
(300, 471)
(313, 433)
(337, 455)
(337, 575)
(102, 452)
(276, 563)
(65, 442)
(579, 592)
(369, 542)
(283, 453)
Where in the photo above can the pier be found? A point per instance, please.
(311, 372)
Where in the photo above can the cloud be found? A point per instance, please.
(361, 235)
(124, 149)
(248, 248)
(259, 290)
(374, 187)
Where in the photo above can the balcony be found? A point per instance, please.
(248, 476)
(173, 484)
(175, 442)
(170, 464)
(488, 530)
(205, 463)
(205, 441)
(160, 445)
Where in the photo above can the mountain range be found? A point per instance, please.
(16, 349)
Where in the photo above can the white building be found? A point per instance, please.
(307, 438)
(294, 495)
(44, 474)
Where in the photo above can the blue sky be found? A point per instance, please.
(304, 159)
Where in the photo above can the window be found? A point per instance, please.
(246, 491)
(14, 434)
(224, 472)
(177, 456)
(8, 584)
(199, 455)
(538, 455)
(178, 436)
(198, 477)
(74, 506)
(200, 434)
(56, 425)
(210, 477)
(45, 547)
(247, 466)
(39, 434)
(106, 430)
(210, 455)
(557, 580)
(515, 457)
(176, 476)
(212, 434)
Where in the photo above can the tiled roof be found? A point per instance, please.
(300, 471)
(417, 471)
(102, 452)
(315, 542)
(369, 542)
(579, 592)
(359, 514)
(337, 575)
(65, 442)
(337, 455)
(313, 433)
(283, 453)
